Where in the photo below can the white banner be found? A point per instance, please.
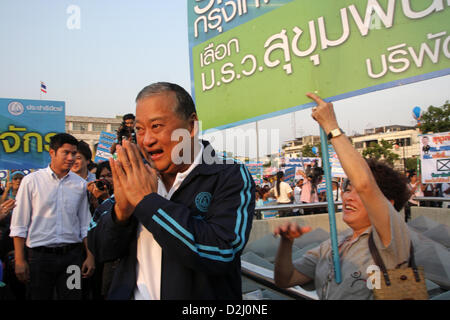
(435, 156)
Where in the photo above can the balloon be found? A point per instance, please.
(314, 149)
(417, 113)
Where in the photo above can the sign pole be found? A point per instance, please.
(331, 211)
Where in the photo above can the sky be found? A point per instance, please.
(98, 63)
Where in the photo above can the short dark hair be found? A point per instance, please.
(102, 165)
(91, 165)
(58, 140)
(85, 150)
(185, 105)
(393, 184)
(128, 116)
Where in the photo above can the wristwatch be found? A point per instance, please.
(335, 133)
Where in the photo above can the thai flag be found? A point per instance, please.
(43, 87)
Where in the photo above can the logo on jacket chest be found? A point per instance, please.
(202, 201)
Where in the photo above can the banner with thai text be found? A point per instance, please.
(336, 168)
(435, 156)
(105, 142)
(256, 171)
(26, 127)
(253, 59)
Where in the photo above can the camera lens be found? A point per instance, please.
(100, 185)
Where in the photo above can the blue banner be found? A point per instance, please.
(104, 146)
(256, 171)
(26, 127)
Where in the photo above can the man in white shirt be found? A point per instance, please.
(49, 226)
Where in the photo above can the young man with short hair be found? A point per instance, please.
(82, 159)
(49, 226)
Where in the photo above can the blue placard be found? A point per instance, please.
(26, 127)
(104, 146)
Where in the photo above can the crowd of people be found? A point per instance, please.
(146, 226)
(140, 226)
(305, 191)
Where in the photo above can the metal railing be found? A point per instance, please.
(259, 210)
(431, 199)
(291, 206)
(264, 277)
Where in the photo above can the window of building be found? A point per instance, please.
(80, 126)
(371, 142)
(115, 127)
(359, 145)
(99, 127)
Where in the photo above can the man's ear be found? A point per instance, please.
(193, 125)
(52, 153)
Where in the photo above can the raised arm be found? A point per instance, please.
(356, 169)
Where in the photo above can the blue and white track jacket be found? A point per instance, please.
(202, 231)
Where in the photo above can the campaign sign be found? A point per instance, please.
(289, 174)
(254, 59)
(336, 167)
(256, 171)
(26, 127)
(435, 156)
(105, 142)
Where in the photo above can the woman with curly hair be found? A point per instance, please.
(372, 197)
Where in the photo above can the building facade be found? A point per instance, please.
(88, 128)
(293, 148)
(405, 139)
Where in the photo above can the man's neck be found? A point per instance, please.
(83, 173)
(59, 173)
(169, 178)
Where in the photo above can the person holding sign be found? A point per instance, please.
(372, 197)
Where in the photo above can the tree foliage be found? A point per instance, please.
(382, 151)
(308, 153)
(436, 119)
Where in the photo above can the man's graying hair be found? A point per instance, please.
(185, 106)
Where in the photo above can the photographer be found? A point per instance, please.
(102, 187)
(309, 190)
(126, 130)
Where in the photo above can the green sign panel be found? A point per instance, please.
(254, 59)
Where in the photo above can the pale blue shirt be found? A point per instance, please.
(51, 211)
